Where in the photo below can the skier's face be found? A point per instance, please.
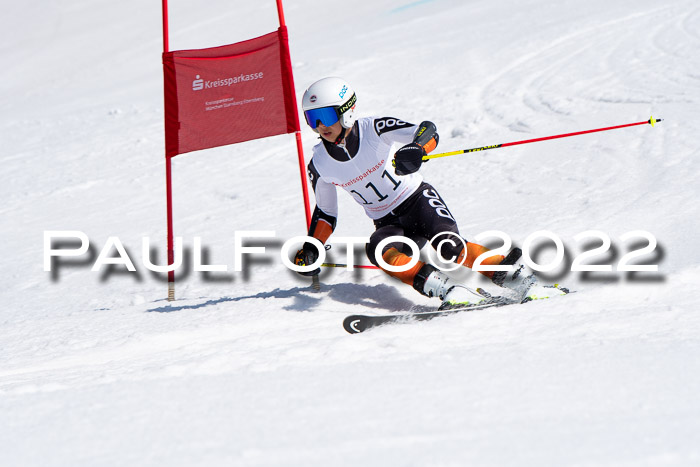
(329, 133)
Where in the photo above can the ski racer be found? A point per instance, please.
(355, 154)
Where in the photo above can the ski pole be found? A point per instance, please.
(340, 265)
(652, 121)
(316, 283)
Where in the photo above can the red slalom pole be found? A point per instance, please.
(169, 178)
(652, 121)
(297, 133)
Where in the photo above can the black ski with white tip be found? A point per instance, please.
(355, 324)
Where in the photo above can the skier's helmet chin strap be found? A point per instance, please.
(341, 136)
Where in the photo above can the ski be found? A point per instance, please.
(355, 324)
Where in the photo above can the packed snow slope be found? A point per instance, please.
(252, 368)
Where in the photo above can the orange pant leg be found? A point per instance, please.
(395, 258)
(472, 251)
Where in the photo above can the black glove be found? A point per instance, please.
(408, 159)
(306, 256)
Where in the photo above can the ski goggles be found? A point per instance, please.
(326, 115)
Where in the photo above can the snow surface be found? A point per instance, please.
(254, 369)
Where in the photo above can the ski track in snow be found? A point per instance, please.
(253, 368)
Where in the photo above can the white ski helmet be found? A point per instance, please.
(329, 100)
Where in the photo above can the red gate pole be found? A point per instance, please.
(315, 284)
(304, 186)
(168, 180)
(300, 147)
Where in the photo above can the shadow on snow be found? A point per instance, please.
(379, 297)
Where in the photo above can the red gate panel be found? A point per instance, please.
(228, 94)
